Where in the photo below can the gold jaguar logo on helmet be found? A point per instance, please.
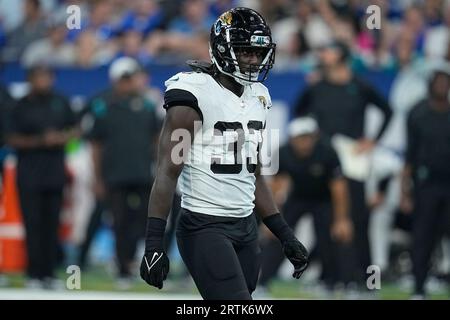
(226, 18)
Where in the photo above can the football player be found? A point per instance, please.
(223, 106)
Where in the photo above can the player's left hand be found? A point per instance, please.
(155, 267)
(297, 255)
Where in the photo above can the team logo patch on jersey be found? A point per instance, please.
(263, 100)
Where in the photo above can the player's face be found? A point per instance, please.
(249, 58)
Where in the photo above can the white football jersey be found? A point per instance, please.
(218, 176)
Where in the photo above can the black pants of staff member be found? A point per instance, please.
(360, 216)
(431, 219)
(293, 210)
(94, 224)
(128, 205)
(41, 209)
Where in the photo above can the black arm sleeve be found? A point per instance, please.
(179, 97)
(381, 103)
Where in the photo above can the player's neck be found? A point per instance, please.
(229, 83)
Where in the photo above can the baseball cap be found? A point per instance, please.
(301, 126)
(122, 68)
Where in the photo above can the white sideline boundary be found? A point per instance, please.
(28, 294)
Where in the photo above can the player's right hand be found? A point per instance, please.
(155, 267)
(297, 255)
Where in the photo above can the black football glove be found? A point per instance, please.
(155, 267)
(155, 263)
(297, 255)
(292, 248)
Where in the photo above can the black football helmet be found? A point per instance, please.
(241, 29)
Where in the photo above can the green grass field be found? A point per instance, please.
(100, 279)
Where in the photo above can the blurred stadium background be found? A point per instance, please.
(161, 36)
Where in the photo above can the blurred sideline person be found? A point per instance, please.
(339, 101)
(6, 102)
(122, 137)
(310, 173)
(408, 88)
(221, 110)
(426, 175)
(41, 124)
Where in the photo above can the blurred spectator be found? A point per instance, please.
(123, 137)
(195, 19)
(144, 17)
(432, 12)
(373, 45)
(298, 35)
(59, 13)
(11, 13)
(32, 28)
(218, 7)
(53, 50)
(427, 170)
(310, 160)
(408, 88)
(413, 21)
(306, 20)
(274, 10)
(90, 52)
(99, 22)
(131, 46)
(438, 38)
(2, 35)
(338, 102)
(187, 35)
(41, 124)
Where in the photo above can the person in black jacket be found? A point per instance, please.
(6, 103)
(41, 124)
(123, 140)
(339, 102)
(427, 169)
(310, 169)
